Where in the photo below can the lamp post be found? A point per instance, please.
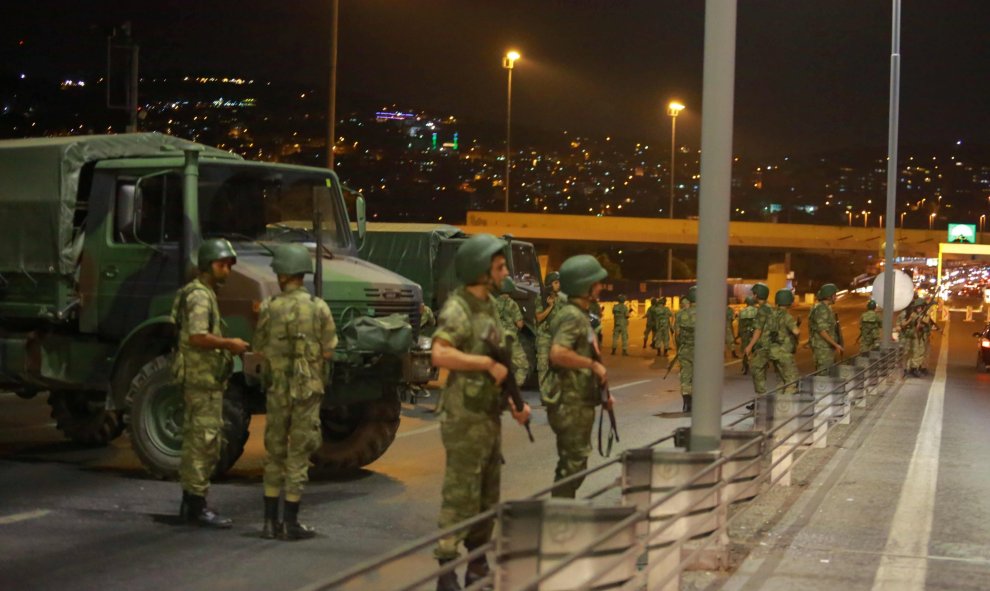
(508, 62)
(673, 109)
(866, 217)
(983, 219)
(931, 220)
(332, 106)
(903, 213)
(849, 214)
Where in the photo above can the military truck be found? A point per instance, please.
(96, 235)
(425, 254)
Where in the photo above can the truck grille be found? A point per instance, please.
(384, 302)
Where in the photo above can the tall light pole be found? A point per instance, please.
(332, 107)
(850, 215)
(866, 217)
(893, 119)
(983, 219)
(673, 109)
(508, 62)
(931, 220)
(903, 213)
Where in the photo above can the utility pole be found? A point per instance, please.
(332, 111)
(892, 122)
(122, 74)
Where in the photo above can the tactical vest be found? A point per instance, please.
(476, 391)
(193, 366)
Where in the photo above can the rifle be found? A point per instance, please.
(670, 368)
(510, 389)
(604, 394)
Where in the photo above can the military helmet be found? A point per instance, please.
(474, 257)
(291, 259)
(579, 273)
(692, 294)
(621, 298)
(654, 301)
(508, 286)
(551, 277)
(761, 291)
(919, 302)
(214, 249)
(871, 305)
(826, 291)
(783, 297)
(750, 301)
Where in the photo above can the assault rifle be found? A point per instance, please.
(604, 394)
(510, 389)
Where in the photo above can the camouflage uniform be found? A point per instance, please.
(202, 374)
(759, 358)
(869, 331)
(661, 336)
(747, 326)
(730, 337)
(776, 346)
(686, 320)
(543, 343)
(651, 324)
(470, 426)
(911, 333)
(620, 329)
(294, 330)
(595, 309)
(822, 318)
(510, 315)
(572, 414)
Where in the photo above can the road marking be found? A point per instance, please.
(426, 429)
(911, 528)
(16, 517)
(629, 385)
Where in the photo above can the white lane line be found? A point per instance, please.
(911, 528)
(16, 517)
(629, 385)
(419, 431)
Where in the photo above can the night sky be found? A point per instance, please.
(811, 75)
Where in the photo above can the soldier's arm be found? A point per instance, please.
(566, 333)
(544, 311)
(328, 338)
(452, 334)
(198, 321)
(261, 331)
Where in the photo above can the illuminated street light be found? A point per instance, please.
(508, 62)
(983, 219)
(903, 213)
(931, 220)
(866, 217)
(673, 109)
(850, 215)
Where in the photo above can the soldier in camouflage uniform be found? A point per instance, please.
(927, 326)
(571, 410)
(684, 324)
(823, 328)
(758, 347)
(620, 327)
(202, 365)
(869, 328)
(775, 336)
(730, 335)
(510, 315)
(911, 333)
(297, 336)
(661, 334)
(544, 316)
(747, 318)
(471, 402)
(651, 322)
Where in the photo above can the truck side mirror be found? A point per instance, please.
(362, 218)
(128, 211)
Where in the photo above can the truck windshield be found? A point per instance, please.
(264, 203)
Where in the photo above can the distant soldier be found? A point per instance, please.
(202, 366)
(758, 347)
(730, 335)
(823, 328)
(747, 318)
(869, 328)
(620, 328)
(661, 335)
(927, 326)
(544, 316)
(651, 322)
(572, 353)
(775, 337)
(510, 315)
(684, 325)
(911, 323)
(471, 402)
(297, 336)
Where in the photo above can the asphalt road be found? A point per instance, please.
(78, 518)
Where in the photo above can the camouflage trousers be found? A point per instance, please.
(470, 482)
(783, 362)
(730, 339)
(661, 338)
(202, 436)
(292, 434)
(685, 357)
(650, 331)
(572, 424)
(520, 362)
(917, 352)
(620, 332)
(868, 343)
(824, 356)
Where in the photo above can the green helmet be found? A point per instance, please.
(692, 294)
(919, 302)
(761, 291)
(579, 273)
(214, 249)
(783, 297)
(474, 257)
(621, 298)
(551, 277)
(871, 305)
(654, 301)
(508, 286)
(826, 291)
(292, 259)
(750, 301)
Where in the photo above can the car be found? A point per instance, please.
(983, 348)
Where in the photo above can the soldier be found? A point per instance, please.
(927, 326)
(510, 315)
(730, 335)
(758, 348)
(651, 322)
(775, 336)
(620, 328)
(471, 402)
(572, 413)
(823, 326)
(747, 318)
(544, 316)
(910, 324)
(297, 336)
(869, 328)
(661, 335)
(684, 323)
(202, 366)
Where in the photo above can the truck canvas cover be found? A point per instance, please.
(407, 249)
(39, 181)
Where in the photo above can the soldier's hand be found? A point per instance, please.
(839, 349)
(610, 403)
(521, 416)
(237, 346)
(498, 372)
(747, 351)
(599, 370)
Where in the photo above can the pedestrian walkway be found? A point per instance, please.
(905, 504)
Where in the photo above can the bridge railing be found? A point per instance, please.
(674, 509)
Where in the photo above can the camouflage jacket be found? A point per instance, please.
(572, 330)
(662, 317)
(544, 327)
(685, 320)
(651, 317)
(747, 321)
(620, 312)
(195, 311)
(779, 329)
(509, 314)
(294, 330)
(869, 325)
(821, 318)
(468, 324)
(763, 323)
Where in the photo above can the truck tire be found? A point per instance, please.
(356, 435)
(83, 417)
(156, 417)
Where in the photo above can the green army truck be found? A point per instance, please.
(425, 254)
(96, 235)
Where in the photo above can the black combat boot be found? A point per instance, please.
(447, 581)
(184, 507)
(197, 512)
(272, 525)
(477, 569)
(687, 404)
(291, 528)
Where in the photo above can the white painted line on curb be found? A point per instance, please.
(17, 517)
(911, 528)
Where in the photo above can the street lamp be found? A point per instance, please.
(850, 215)
(903, 213)
(508, 62)
(931, 220)
(866, 217)
(673, 109)
(983, 219)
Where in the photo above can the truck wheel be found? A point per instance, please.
(83, 417)
(156, 418)
(356, 434)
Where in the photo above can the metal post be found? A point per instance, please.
(895, 105)
(673, 151)
(508, 133)
(713, 224)
(332, 108)
(132, 91)
(189, 246)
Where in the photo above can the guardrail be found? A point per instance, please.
(674, 507)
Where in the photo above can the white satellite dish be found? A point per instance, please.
(903, 290)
